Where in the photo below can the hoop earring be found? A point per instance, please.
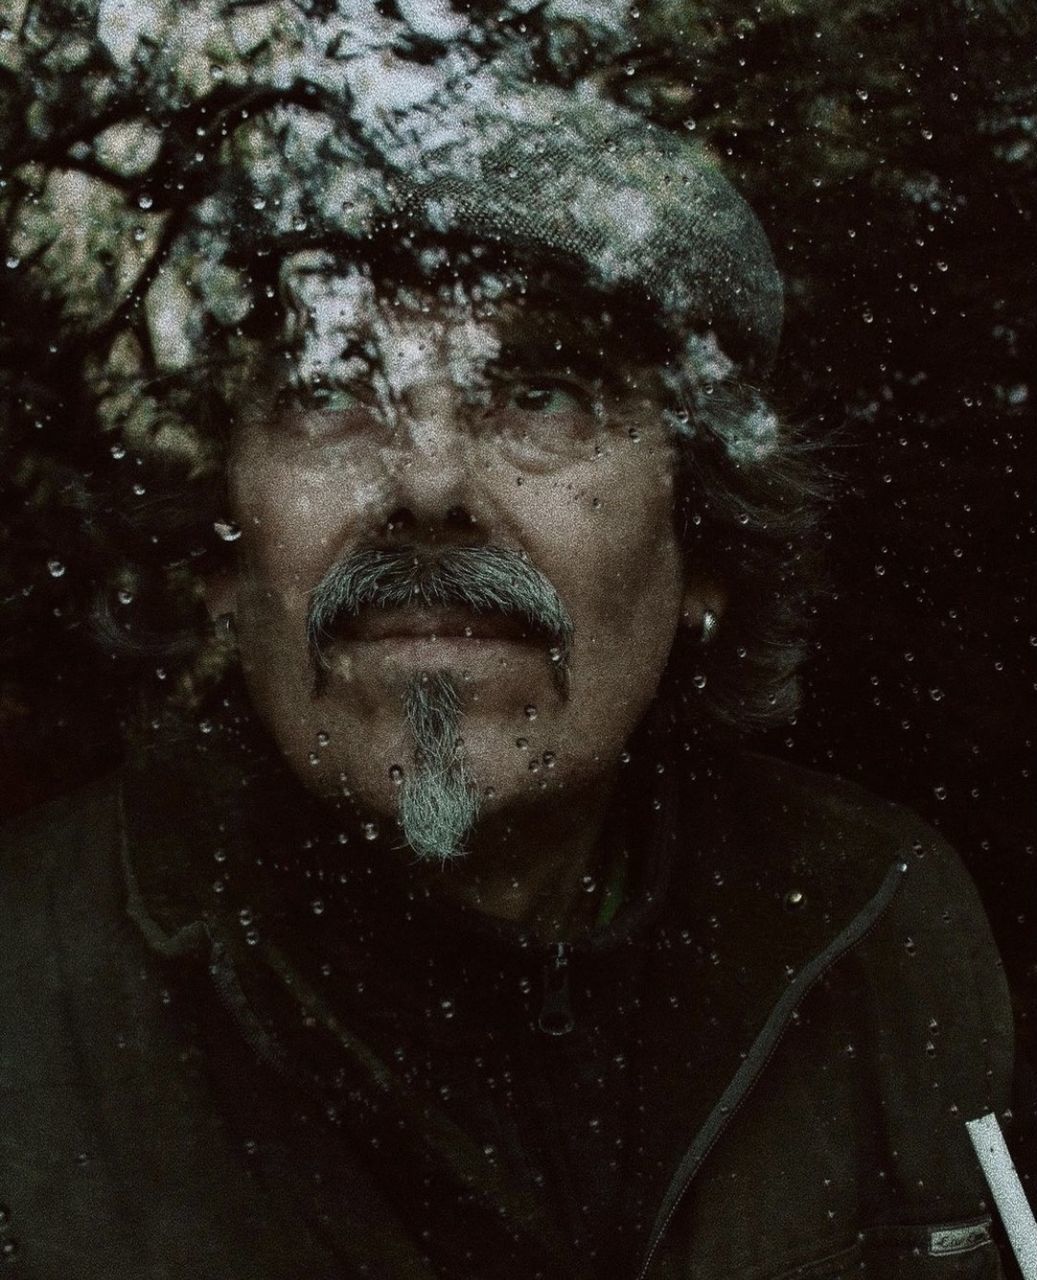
(710, 623)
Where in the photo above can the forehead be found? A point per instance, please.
(461, 309)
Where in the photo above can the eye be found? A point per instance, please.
(321, 414)
(546, 396)
(326, 399)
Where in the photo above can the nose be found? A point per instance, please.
(433, 490)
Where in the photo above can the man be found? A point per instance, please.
(456, 935)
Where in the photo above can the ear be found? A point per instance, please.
(702, 594)
(220, 593)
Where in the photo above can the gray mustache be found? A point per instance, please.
(486, 580)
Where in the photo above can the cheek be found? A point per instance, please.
(605, 534)
(296, 517)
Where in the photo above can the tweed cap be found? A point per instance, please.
(158, 255)
(638, 207)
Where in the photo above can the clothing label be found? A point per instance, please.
(958, 1239)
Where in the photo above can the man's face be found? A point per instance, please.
(459, 426)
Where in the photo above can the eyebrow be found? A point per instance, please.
(537, 351)
(588, 349)
(556, 339)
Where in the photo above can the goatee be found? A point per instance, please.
(438, 801)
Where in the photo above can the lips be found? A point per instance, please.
(439, 624)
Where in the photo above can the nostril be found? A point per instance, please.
(449, 526)
(459, 518)
(401, 518)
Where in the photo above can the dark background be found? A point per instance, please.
(890, 152)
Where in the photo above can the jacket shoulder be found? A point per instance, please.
(63, 930)
(39, 831)
(795, 799)
(929, 974)
(842, 841)
(54, 859)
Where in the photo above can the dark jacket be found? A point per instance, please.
(228, 1064)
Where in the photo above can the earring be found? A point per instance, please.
(710, 622)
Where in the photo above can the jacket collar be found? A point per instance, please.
(211, 860)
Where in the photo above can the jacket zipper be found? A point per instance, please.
(556, 1014)
(762, 1050)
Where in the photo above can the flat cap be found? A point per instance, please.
(636, 206)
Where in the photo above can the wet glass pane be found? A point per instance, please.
(517, 704)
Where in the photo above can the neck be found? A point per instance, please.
(538, 867)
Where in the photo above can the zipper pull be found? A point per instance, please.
(556, 1015)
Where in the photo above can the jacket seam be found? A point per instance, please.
(763, 1049)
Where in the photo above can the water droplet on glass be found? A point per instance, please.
(794, 899)
(699, 681)
(124, 597)
(317, 906)
(227, 530)
(531, 712)
(370, 830)
(396, 774)
(145, 201)
(13, 263)
(588, 883)
(522, 743)
(118, 451)
(55, 568)
(549, 759)
(940, 792)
